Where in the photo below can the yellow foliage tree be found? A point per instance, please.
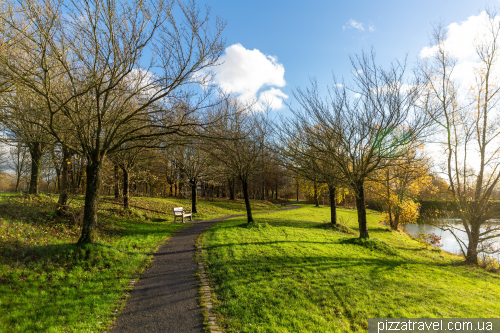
(398, 184)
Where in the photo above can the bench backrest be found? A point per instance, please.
(178, 210)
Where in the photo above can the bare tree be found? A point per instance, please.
(357, 133)
(193, 162)
(19, 113)
(111, 72)
(298, 152)
(237, 143)
(127, 160)
(18, 160)
(469, 122)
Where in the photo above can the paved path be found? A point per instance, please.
(165, 299)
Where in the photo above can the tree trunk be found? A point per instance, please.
(126, 181)
(360, 206)
(471, 255)
(18, 180)
(194, 193)
(389, 211)
(231, 188)
(58, 179)
(247, 201)
(91, 201)
(36, 163)
(395, 221)
(117, 188)
(297, 193)
(64, 182)
(316, 197)
(333, 204)
(79, 179)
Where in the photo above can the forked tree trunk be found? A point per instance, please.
(91, 202)
(64, 182)
(36, 163)
(194, 193)
(333, 204)
(247, 201)
(126, 182)
(360, 206)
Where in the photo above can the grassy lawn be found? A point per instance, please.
(295, 274)
(47, 284)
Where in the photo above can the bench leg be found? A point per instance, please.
(182, 218)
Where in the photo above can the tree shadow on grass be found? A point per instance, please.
(344, 281)
(64, 285)
(59, 255)
(157, 220)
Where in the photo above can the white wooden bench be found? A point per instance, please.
(180, 212)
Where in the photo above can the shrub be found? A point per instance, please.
(403, 211)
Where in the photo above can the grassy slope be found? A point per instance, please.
(295, 275)
(47, 284)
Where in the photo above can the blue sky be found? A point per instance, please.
(315, 38)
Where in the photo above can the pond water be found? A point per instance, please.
(448, 241)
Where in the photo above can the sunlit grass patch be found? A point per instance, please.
(298, 276)
(48, 284)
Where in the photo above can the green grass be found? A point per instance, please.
(295, 274)
(48, 284)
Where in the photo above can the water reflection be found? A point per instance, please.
(448, 241)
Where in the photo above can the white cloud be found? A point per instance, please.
(371, 28)
(460, 42)
(272, 98)
(352, 24)
(357, 95)
(245, 72)
(142, 81)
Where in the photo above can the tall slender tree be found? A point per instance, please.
(469, 124)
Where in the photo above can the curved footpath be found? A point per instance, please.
(165, 299)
